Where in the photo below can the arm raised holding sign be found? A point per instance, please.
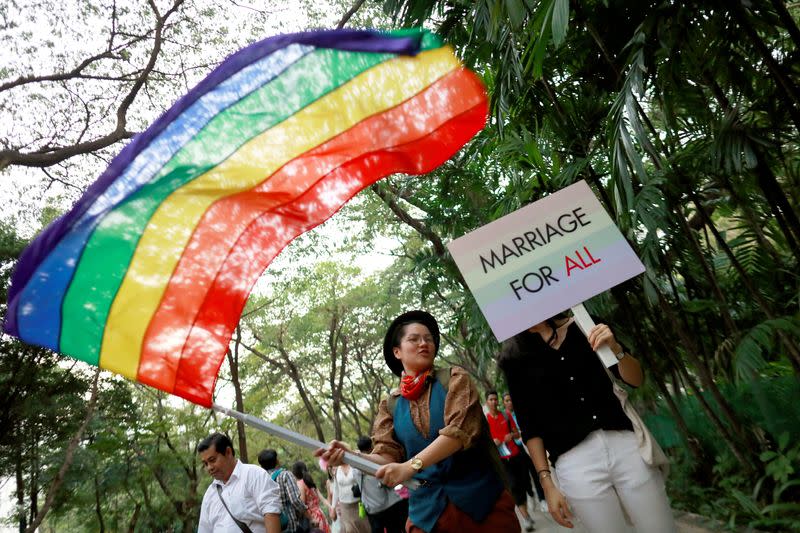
(566, 407)
(628, 366)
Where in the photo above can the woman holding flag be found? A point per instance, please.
(432, 428)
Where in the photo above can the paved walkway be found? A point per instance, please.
(687, 523)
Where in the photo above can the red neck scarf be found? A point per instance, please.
(411, 387)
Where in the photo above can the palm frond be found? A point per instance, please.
(749, 357)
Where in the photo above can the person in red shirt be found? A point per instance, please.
(513, 458)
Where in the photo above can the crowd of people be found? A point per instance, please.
(564, 438)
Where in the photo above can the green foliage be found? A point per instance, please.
(782, 463)
(735, 502)
(748, 358)
(137, 468)
(715, 485)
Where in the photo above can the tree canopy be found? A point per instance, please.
(682, 116)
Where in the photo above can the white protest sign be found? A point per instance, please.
(543, 259)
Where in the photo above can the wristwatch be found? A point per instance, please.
(619, 355)
(416, 464)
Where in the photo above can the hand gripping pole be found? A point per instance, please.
(585, 323)
(355, 461)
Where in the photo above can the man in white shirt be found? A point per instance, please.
(242, 497)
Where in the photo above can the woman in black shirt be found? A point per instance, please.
(565, 405)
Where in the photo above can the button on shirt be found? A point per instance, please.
(249, 493)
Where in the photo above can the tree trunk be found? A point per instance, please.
(791, 348)
(134, 519)
(680, 328)
(336, 377)
(355, 416)
(233, 362)
(294, 373)
(595, 179)
(23, 521)
(350, 12)
(712, 415)
(427, 233)
(746, 459)
(98, 509)
(71, 447)
(739, 445)
(788, 21)
(725, 311)
(783, 211)
(148, 506)
(286, 364)
(193, 510)
(33, 486)
(683, 429)
(782, 81)
(649, 349)
(677, 385)
(752, 221)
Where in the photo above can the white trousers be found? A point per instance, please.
(605, 472)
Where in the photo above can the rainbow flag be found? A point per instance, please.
(148, 274)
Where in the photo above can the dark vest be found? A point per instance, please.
(466, 478)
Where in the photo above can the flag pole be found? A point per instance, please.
(585, 323)
(294, 437)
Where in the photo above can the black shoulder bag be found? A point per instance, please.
(239, 523)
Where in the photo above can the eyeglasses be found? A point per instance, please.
(419, 339)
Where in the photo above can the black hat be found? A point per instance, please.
(421, 317)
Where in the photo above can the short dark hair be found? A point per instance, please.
(268, 459)
(506, 394)
(219, 441)
(489, 393)
(364, 444)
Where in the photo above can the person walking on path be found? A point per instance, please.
(310, 496)
(386, 510)
(432, 428)
(329, 486)
(292, 506)
(566, 407)
(512, 456)
(346, 497)
(241, 498)
(508, 406)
